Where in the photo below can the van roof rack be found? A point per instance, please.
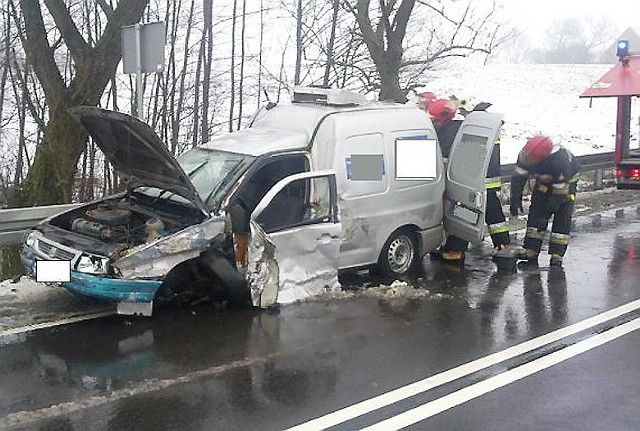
(326, 96)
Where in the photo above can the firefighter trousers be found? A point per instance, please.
(496, 222)
(545, 204)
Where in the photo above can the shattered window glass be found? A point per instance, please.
(213, 172)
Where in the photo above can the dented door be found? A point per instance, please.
(465, 195)
(295, 240)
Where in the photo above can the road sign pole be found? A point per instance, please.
(138, 72)
(142, 52)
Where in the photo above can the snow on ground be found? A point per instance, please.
(26, 302)
(540, 98)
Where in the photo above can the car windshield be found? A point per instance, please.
(213, 172)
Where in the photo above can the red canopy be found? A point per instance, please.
(622, 80)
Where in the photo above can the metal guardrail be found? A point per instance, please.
(589, 162)
(15, 222)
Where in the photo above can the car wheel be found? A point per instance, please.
(399, 254)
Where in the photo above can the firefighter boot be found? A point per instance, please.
(556, 260)
(453, 257)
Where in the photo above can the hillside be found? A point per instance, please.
(541, 98)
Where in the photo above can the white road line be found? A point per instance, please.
(434, 407)
(391, 397)
(66, 321)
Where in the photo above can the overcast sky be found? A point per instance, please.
(534, 16)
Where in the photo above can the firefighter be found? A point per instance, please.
(454, 248)
(554, 193)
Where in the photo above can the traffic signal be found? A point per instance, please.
(622, 48)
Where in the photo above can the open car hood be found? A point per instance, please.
(136, 151)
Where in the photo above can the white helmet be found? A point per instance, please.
(466, 102)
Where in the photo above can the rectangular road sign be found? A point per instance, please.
(152, 42)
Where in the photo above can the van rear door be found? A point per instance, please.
(465, 196)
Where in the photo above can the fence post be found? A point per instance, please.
(597, 182)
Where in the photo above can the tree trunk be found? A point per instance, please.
(390, 90)
(332, 40)
(50, 178)
(208, 61)
(242, 60)
(296, 78)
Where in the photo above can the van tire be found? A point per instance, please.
(399, 255)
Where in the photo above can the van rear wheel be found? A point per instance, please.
(399, 254)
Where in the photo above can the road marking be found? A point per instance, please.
(44, 325)
(22, 418)
(391, 397)
(439, 405)
(25, 417)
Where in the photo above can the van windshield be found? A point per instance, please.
(213, 172)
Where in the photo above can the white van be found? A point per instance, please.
(335, 183)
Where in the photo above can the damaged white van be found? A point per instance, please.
(328, 182)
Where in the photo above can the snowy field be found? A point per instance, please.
(541, 98)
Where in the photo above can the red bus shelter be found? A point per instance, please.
(623, 82)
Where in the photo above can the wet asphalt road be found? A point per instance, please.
(201, 368)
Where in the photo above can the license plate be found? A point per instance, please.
(465, 214)
(53, 271)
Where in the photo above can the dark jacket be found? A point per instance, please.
(558, 167)
(446, 134)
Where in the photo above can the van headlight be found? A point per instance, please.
(92, 265)
(32, 238)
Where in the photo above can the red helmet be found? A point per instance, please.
(536, 149)
(427, 96)
(441, 111)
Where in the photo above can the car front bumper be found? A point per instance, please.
(95, 286)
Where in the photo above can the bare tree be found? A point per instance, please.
(234, 19)
(242, 62)
(50, 177)
(574, 41)
(455, 29)
(208, 62)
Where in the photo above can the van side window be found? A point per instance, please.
(416, 158)
(362, 166)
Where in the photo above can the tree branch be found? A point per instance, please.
(78, 47)
(99, 65)
(39, 53)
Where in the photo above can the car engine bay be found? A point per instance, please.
(129, 220)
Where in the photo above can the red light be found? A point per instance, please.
(630, 173)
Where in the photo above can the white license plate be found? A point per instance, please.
(53, 271)
(465, 214)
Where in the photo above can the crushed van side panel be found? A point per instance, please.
(262, 269)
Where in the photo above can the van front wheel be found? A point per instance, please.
(399, 254)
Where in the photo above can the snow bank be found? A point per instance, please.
(540, 98)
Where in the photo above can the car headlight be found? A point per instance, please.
(92, 264)
(32, 238)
